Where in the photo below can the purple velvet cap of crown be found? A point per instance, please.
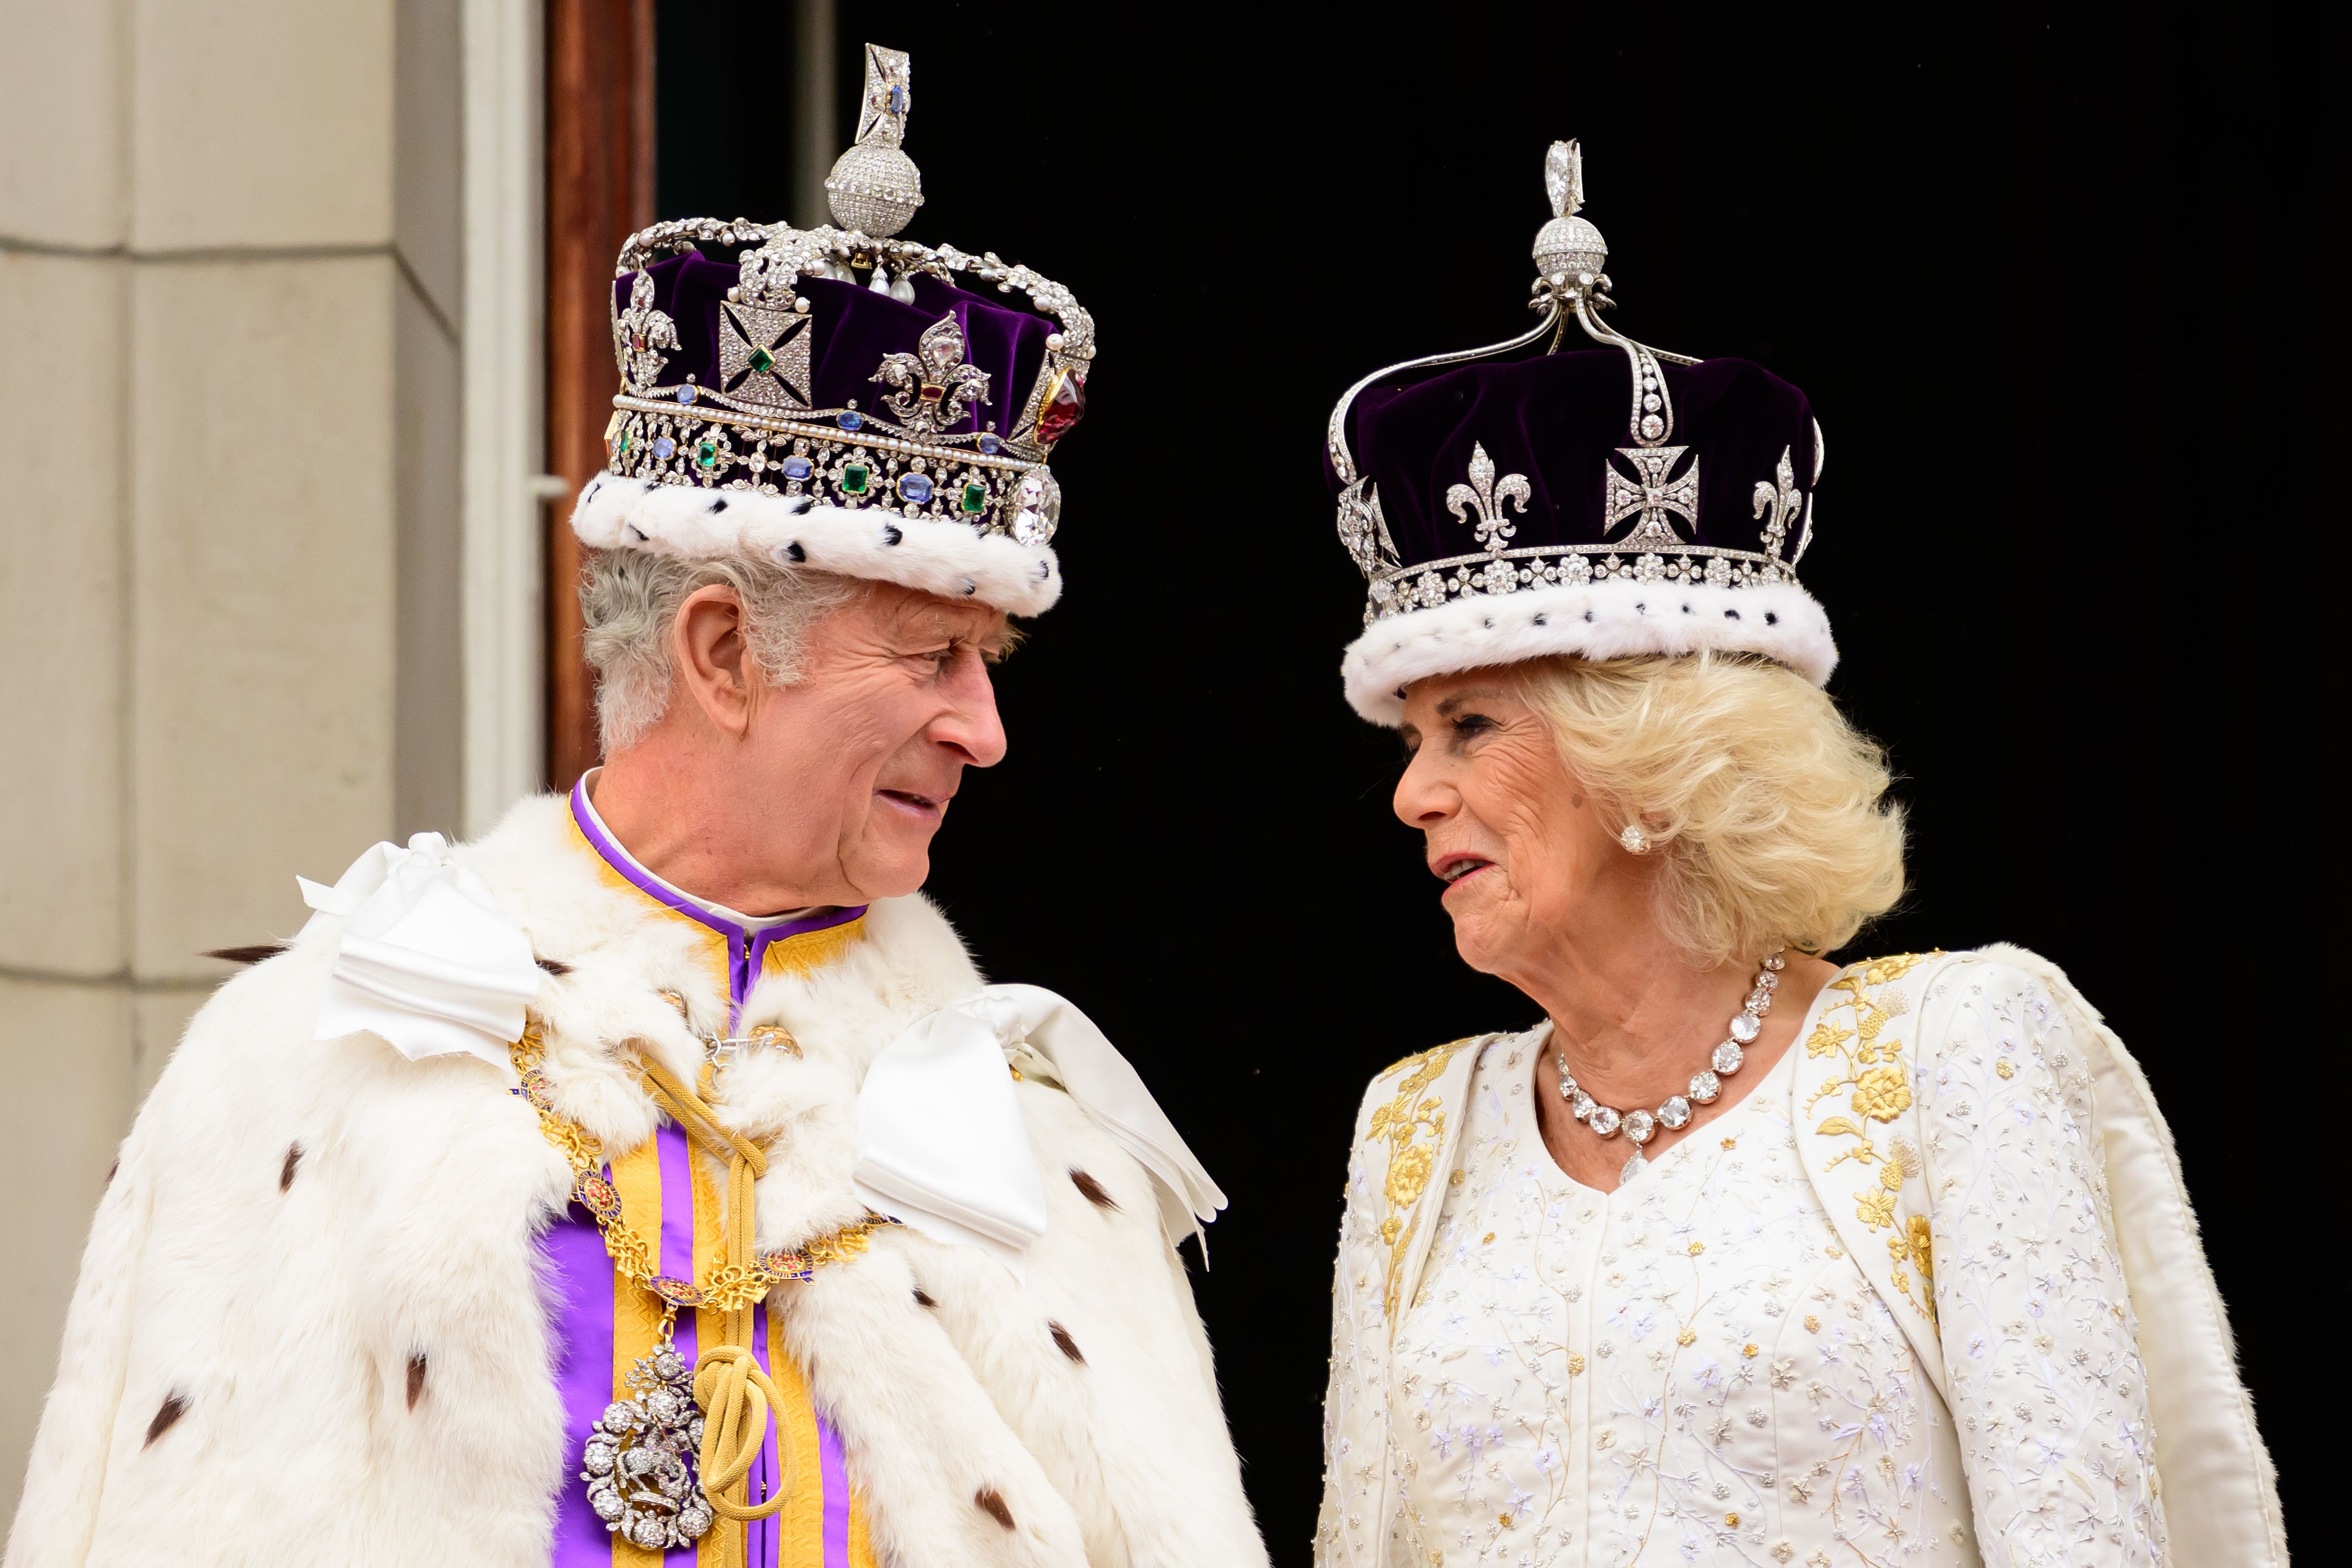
(850, 328)
(1558, 419)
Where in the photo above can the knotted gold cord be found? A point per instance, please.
(737, 1398)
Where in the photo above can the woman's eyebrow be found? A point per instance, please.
(1453, 704)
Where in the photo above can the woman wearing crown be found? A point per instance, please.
(1739, 1256)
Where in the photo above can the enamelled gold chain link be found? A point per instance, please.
(730, 1287)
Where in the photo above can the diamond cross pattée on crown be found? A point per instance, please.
(1654, 500)
(934, 385)
(640, 332)
(1485, 497)
(890, 94)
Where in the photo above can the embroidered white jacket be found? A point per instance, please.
(1988, 1153)
(294, 1224)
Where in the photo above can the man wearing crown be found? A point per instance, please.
(655, 1180)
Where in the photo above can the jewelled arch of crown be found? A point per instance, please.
(1653, 488)
(759, 429)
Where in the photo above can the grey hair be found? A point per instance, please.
(629, 601)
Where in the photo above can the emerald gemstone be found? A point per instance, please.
(707, 454)
(975, 499)
(763, 361)
(855, 477)
(623, 449)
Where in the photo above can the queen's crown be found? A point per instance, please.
(1527, 467)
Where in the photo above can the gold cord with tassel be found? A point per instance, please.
(737, 1398)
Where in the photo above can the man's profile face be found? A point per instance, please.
(864, 751)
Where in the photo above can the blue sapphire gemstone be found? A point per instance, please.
(686, 395)
(850, 419)
(915, 487)
(898, 100)
(989, 443)
(796, 467)
(664, 447)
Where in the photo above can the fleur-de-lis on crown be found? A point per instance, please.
(934, 385)
(640, 332)
(1364, 531)
(1484, 495)
(1781, 500)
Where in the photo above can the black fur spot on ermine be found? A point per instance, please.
(1095, 1194)
(554, 966)
(923, 1297)
(173, 1407)
(415, 1377)
(252, 954)
(987, 1497)
(1062, 1338)
(286, 1172)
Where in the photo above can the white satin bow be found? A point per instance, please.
(940, 1139)
(427, 960)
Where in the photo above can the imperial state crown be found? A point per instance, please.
(839, 397)
(1521, 501)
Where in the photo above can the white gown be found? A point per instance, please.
(1704, 1366)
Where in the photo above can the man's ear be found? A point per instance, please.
(714, 660)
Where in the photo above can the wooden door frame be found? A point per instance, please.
(599, 190)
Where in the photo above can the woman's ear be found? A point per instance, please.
(713, 657)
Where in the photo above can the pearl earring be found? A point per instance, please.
(1635, 841)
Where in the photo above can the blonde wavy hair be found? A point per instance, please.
(1769, 809)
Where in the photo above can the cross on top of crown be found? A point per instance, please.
(882, 114)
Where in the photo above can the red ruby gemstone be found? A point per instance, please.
(933, 392)
(1064, 404)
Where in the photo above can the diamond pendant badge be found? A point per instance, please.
(1633, 1167)
(638, 1460)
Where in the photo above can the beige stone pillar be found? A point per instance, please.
(230, 614)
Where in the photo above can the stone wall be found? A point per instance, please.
(230, 289)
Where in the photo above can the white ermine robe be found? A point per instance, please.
(315, 1323)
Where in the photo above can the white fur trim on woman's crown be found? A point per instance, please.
(949, 559)
(1597, 620)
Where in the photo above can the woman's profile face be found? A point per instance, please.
(1522, 850)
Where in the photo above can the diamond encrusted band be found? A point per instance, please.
(843, 464)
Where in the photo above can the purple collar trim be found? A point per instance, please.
(746, 950)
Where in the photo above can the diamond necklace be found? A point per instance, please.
(1674, 1112)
